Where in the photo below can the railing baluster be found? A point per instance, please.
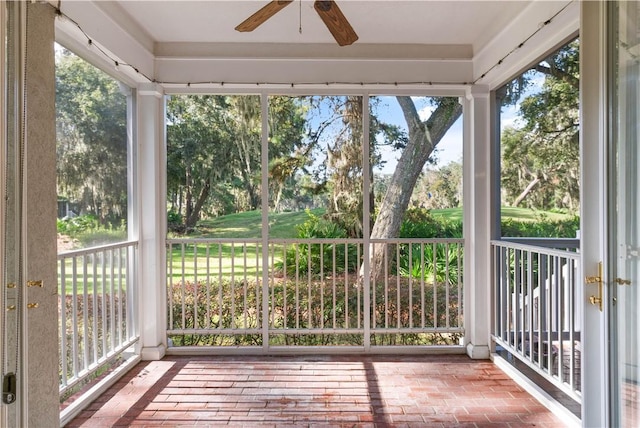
(460, 297)
(233, 285)
(105, 321)
(346, 285)
(446, 282)
(208, 285)
(64, 358)
(112, 303)
(244, 286)
(297, 253)
(358, 296)
(195, 286)
(284, 288)
(410, 285)
(220, 285)
(374, 287)
(386, 285)
(309, 298)
(94, 315)
(434, 247)
(333, 284)
(423, 309)
(183, 286)
(398, 287)
(321, 285)
(529, 315)
(85, 314)
(170, 284)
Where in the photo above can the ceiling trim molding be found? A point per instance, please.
(187, 50)
(306, 72)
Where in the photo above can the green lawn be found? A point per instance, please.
(513, 213)
(282, 225)
(249, 225)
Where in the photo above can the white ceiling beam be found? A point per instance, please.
(110, 29)
(562, 27)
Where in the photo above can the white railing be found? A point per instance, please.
(537, 306)
(96, 311)
(313, 292)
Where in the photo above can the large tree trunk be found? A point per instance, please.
(423, 139)
(193, 217)
(526, 192)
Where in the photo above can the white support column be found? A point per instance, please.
(477, 221)
(151, 197)
(593, 214)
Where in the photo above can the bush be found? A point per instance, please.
(87, 230)
(74, 225)
(543, 227)
(308, 256)
(419, 223)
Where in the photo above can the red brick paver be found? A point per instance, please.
(345, 391)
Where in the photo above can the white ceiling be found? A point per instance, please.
(456, 22)
(179, 42)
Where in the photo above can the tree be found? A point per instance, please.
(423, 139)
(540, 161)
(91, 139)
(214, 150)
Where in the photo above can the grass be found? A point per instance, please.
(249, 225)
(282, 225)
(513, 213)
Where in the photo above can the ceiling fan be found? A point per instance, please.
(328, 10)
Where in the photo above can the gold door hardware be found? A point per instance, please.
(34, 283)
(11, 285)
(621, 281)
(596, 300)
(32, 305)
(11, 307)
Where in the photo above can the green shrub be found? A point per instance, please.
(87, 230)
(308, 257)
(419, 223)
(74, 225)
(441, 262)
(543, 227)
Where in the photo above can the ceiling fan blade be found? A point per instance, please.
(258, 18)
(336, 22)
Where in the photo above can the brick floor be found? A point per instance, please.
(315, 391)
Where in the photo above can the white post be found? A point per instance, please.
(477, 221)
(151, 197)
(593, 197)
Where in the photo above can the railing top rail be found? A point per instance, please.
(213, 241)
(546, 242)
(315, 240)
(418, 240)
(536, 249)
(97, 249)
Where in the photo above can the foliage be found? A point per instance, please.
(214, 152)
(540, 159)
(91, 139)
(72, 226)
(88, 232)
(542, 228)
(420, 223)
(308, 305)
(307, 257)
(439, 188)
(439, 262)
